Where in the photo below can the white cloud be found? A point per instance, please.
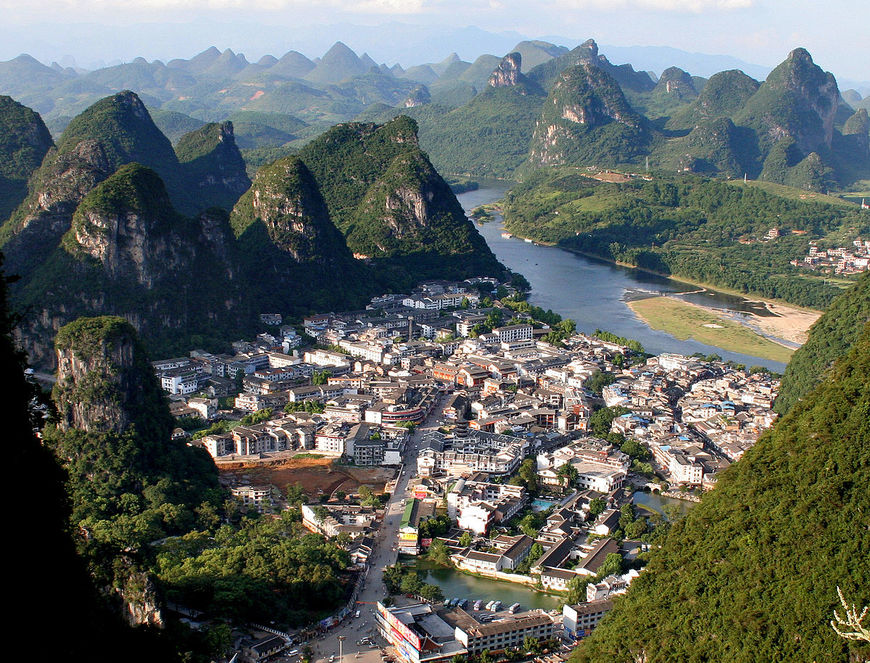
(139, 6)
(694, 6)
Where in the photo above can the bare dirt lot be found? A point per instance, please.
(317, 475)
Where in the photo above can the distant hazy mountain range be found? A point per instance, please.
(479, 119)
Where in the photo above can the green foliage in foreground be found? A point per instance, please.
(751, 574)
(700, 229)
(830, 338)
(263, 569)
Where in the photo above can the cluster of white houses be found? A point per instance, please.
(506, 395)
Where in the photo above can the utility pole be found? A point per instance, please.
(340, 651)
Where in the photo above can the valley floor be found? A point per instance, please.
(771, 337)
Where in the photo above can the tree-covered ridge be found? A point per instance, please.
(751, 574)
(150, 518)
(291, 253)
(124, 128)
(24, 141)
(724, 94)
(830, 338)
(701, 229)
(488, 135)
(115, 131)
(349, 158)
(410, 212)
(393, 206)
(129, 482)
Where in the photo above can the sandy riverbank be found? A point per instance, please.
(787, 323)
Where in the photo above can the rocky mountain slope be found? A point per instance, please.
(128, 252)
(289, 247)
(113, 438)
(212, 166)
(392, 205)
(101, 233)
(586, 117)
(789, 130)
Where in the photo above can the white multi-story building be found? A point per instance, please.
(513, 333)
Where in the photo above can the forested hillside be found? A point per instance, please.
(700, 229)
(830, 338)
(751, 573)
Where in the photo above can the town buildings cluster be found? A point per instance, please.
(508, 399)
(838, 260)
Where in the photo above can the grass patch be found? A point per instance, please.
(307, 455)
(684, 321)
(795, 194)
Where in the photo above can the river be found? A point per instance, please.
(594, 293)
(455, 584)
(657, 502)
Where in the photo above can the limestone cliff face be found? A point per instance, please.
(285, 200)
(104, 382)
(713, 147)
(291, 248)
(676, 83)
(391, 203)
(128, 253)
(585, 100)
(37, 226)
(410, 212)
(508, 73)
(419, 96)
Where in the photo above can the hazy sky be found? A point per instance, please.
(757, 31)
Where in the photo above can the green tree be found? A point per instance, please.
(612, 565)
(411, 584)
(602, 419)
(321, 377)
(527, 475)
(576, 590)
(431, 593)
(567, 474)
(465, 539)
(439, 553)
(295, 493)
(597, 507)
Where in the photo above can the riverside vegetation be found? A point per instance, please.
(701, 229)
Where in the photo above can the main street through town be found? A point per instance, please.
(384, 554)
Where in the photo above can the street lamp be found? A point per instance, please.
(340, 640)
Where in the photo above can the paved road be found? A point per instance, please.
(383, 555)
